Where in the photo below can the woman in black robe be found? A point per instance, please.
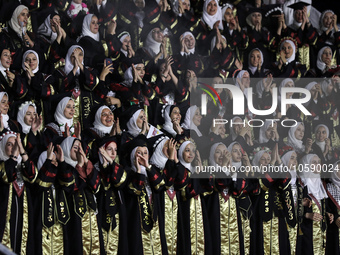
(82, 229)
(17, 173)
(112, 219)
(54, 183)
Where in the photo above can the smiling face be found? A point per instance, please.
(288, 50)
(141, 118)
(23, 17)
(30, 116)
(197, 117)
(176, 115)
(106, 117)
(142, 151)
(292, 164)
(6, 58)
(220, 152)
(236, 153)
(74, 149)
(265, 159)
(212, 8)
(189, 153)
(32, 61)
(69, 110)
(326, 56)
(94, 25)
(157, 35)
(111, 149)
(321, 134)
(4, 105)
(255, 58)
(189, 41)
(299, 132)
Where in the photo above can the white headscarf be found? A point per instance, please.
(151, 45)
(132, 127)
(42, 159)
(335, 179)
(310, 86)
(14, 24)
(121, 37)
(324, 86)
(211, 20)
(2, 68)
(226, 6)
(5, 117)
(254, 68)
(68, 64)
(240, 75)
(66, 146)
(86, 29)
(3, 155)
(232, 131)
(312, 180)
(191, 51)
(128, 77)
(213, 42)
(98, 123)
(322, 27)
(322, 145)
(60, 117)
(292, 57)
(319, 63)
(283, 84)
(132, 160)
(234, 163)
(21, 116)
(258, 156)
(293, 141)
(188, 123)
(213, 148)
(24, 58)
(168, 125)
(180, 156)
(285, 160)
(295, 24)
(158, 158)
(45, 30)
(262, 136)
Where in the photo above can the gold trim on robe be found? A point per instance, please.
(53, 239)
(25, 223)
(90, 233)
(319, 237)
(196, 226)
(6, 238)
(111, 238)
(170, 218)
(271, 236)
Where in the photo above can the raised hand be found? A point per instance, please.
(36, 124)
(77, 130)
(50, 150)
(105, 71)
(60, 154)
